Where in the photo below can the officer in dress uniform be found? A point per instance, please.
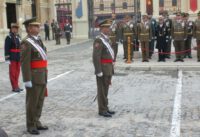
(127, 31)
(12, 56)
(168, 24)
(179, 36)
(145, 35)
(153, 37)
(34, 72)
(197, 35)
(114, 36)
(103, 57)
(189, 28)
(68, 31)
(162, 39)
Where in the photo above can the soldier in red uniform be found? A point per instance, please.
(12, 56)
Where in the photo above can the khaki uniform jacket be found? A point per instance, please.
(100, 52)
(179, 31)
(197, 29)
(27, 55)
(144, 31)
(129, 30)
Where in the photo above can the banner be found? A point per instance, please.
(193, 5)
(79, 9)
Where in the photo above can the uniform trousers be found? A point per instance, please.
(188, 46)
(14, 71)
(102, 92)
(179, 48)
(198, 50)
(145, 50)
(34, 103)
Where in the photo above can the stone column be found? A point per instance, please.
(184, 5)
(52, 10)
(143, 7)
(155, 8)
(80, 25)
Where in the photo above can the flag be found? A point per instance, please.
(79, 9)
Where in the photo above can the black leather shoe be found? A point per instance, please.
(105, 114)
(42, 128)
(20, 89)
(34, 131)
(16, 90)
(176, 60)
(111, 112)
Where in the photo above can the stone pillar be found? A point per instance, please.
(38, 10)
(52, 10)
(184, 5)
(80, 25)
(155, 8)
(143, 7)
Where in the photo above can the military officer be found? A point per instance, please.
(34, 72)
(179, 36)
(12, 56)
(127, 31)
(197, 35)
(68, 31)
(168, 24)
(189, 28)
(57, 33)
(153, 24)
(162, 39)
(103, 56)
(145, 36)
(114, 35)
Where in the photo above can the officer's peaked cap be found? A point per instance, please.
(31, 21)
(105, 23)
(14, 25)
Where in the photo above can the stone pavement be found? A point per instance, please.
(153, 64)
(51, 45)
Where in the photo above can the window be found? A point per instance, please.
(101, 7)
(171, 6)
(124, 5)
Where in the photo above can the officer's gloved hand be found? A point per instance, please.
(100, 74)
(121, 41)
(185, 39)
(167, 40)
(7, 62)
(28, 84)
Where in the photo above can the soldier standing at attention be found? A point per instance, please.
(127, 31)
(179, 36)
(57, 33)
(197, 35)
(103, 56)
(168, 24)
(189, 28)
(114, 35)
(68, 30)
(162, 39)
(34, 72)
(53, 29)
(145, 35)
(153, 37)
(12, 56)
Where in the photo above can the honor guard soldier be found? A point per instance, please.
(153, 37)
(103, 56)
(162, 39)
(179, 36)
(145, 35)
(68, 31)
(127, 32)
(34, 72)
(114, 35)
(189, 28)
(197, 35)
(12, 56)
(168, 24)
(58, 33)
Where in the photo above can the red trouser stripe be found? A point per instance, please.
(106, 61)
(39, 64)
(15, 50)
(14, 71)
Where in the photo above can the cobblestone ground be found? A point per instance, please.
(143, 100)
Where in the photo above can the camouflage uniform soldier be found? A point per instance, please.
(103, 56)
(57, 33)
(34, 72)
(127, 31)
(179, 36)
(168, 24)
(189, 28)
(145, 35)
(197, 35)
